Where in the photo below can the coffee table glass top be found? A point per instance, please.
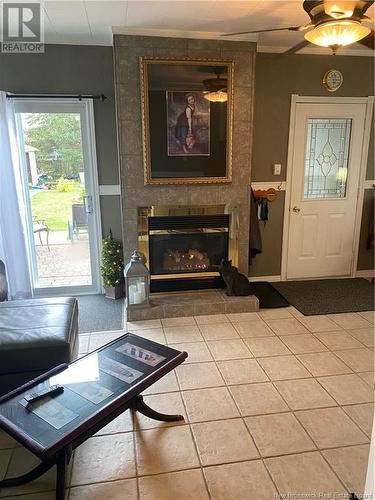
(93, 384)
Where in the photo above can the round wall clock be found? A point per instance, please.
(333, 80)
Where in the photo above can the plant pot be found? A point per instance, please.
(114, 292)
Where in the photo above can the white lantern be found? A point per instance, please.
(137, 281)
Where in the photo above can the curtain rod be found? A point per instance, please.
(101, 97)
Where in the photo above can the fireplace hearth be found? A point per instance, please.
(184, 246)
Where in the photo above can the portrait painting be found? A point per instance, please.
(188, 122)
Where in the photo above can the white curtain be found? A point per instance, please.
(13, 239)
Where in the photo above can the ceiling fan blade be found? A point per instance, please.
(290, 28)
(296, 48)
(368, 41)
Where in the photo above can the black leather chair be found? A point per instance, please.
(3, 283)
(35, 336)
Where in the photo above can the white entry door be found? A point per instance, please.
(326, 165)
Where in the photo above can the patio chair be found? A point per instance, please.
(39, 227)
(79, 221)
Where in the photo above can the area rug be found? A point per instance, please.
(268, 296)
(97, 313)
(328, 296)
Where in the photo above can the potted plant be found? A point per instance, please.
(112, 268)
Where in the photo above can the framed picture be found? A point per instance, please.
(187, 109)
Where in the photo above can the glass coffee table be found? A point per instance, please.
(97, 388)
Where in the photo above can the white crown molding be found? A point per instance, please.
(317, 51)
(205, 35)
(109, 190)
(368, 273)
(370, 184)
(278, 185)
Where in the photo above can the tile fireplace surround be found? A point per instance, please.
(127, 51)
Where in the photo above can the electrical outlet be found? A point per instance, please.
(276, 169)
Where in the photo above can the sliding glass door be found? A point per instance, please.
(61, 191)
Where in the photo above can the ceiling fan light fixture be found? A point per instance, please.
(216, 96)
(337, 33)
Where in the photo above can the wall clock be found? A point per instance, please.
(333, 80)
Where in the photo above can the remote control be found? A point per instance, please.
(49, 391)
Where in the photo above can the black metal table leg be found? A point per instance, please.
(137, 404)
(38, 471)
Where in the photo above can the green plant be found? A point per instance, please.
(112, 267)
(65, 185)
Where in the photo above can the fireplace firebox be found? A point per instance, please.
(184, 246)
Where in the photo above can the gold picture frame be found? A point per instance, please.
(160, 165)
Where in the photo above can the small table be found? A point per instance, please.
(97, 388)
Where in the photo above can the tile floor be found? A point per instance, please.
(275, 403)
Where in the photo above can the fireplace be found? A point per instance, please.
(184, 246)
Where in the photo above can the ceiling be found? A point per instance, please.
(91, 22)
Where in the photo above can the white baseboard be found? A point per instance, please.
(265, 278)
(367, 273)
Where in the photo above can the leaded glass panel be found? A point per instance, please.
(327, 155)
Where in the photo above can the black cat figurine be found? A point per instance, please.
(237, 283)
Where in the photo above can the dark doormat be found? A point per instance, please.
(97, 313)
(328, 296)
(268, 296)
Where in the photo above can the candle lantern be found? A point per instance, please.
(137, 281)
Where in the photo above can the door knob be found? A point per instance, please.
(296, 209)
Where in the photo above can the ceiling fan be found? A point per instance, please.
(334, 24)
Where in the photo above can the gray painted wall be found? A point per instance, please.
(277, 77)
(71, 69)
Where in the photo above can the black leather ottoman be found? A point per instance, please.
(35, 336)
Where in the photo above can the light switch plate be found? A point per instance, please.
(276, 169)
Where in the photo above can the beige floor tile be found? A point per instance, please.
(5, 456)
(6, 441)
(338, 340)
(218, 331)
(236, 317)
(183, 321)
(318, 323)
(99, 339)
(368, 315)
(123, 423)
(154, 334)
(165, 450)
(241, 371)
(364, 335)
(240, 481)
(83, 344)
(287, 326)
(304, 474)
(283, 368)
(331, 428)
(349, 321)
(104, 458)
(198, 376)
(209, 404)
(278, 434)
(363, 416)
(168, 383)
(258, 399)
(265, 346)
(347, 389)
(210, 319)
(255, 328)
(184, 485)
(223, 441)
(228, 349)
(197, 351)
(170, 403)
(178, 334)
(47, 495)
(368, 377)
(304, 394)
(300, 344)
(143, 325)
(359, 360)
(352, 472)
(108, 491)
(18, 462)
(279, 313)
(323, 363)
